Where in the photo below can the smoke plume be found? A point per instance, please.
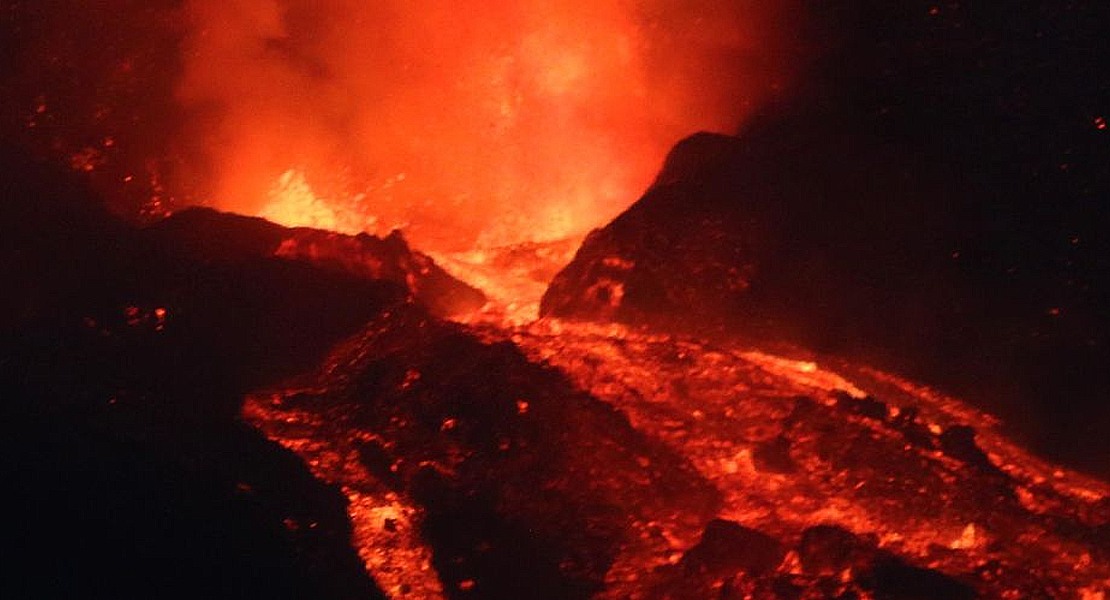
(487, 122)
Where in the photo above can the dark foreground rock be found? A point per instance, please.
(213, 236)
(122, 368)
(728, 547)
(126, 354)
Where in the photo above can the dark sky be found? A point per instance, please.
(1009, 105)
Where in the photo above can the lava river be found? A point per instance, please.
(805, 455)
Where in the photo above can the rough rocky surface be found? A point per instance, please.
(212, 236)
(733, 562)
(935, 500)
(526, 486)
(122, 368)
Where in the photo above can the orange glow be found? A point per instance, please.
(855, 471)
(385, 529)
(293, 203)
(487, 125)
(512, 277)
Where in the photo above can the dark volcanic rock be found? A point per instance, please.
(727, 547)
(773, 456)
(734, 562)
(889, 578)
(959, 443)
(756, 230)
(213, 236)
(230, 514)
(828, 550)
(122, 368)
(867, 407)
(648, 262)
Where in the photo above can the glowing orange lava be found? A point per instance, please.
(893, 470)
(293, 203)
(720, 407)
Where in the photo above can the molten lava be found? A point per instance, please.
(796, 450)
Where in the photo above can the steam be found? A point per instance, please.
(486, 122)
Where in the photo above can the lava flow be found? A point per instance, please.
(793, 449)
